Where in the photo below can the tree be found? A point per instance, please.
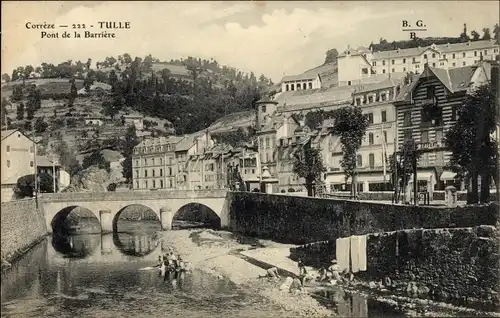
(25, 185)
(3, 111)
(17, 93)
(28, 70)
(463, 36)
(308, 164)
(350, 124)
(496, 32)
(331, 56)
(67, 158)
(474, 152)
(40, 125)
(486, 34)
(5, 77)
(96, 159)
(127, 149)
(403, 168)
(20, 112)
(73, 93)
(475, 35)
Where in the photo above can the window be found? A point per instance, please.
(137, 173)
(154, 184)
(463, 54)
(425, 56)
(161, 184)
(442, 63)
(364, 70)
(153, 171)
(413, 60)
(404, 61)
(463, 63)
(267, 157)
(145, 162)
(485, 52)
(453, 64)
(392, 62)
(267, 142)
(145, 184)
(439, 135)
(310, 85)
(393, 70)
(359, 160)
(161, 172)
(383, 71)
(146, 173)
(263, 108)
(475, 53)
(371, 160)
(8, 148)
(169, 171)
(433, 64)
(385, 135)
(444, 56)
(370, 138)
(384, 116)
(137, 162)
(430, 92)
(292, 87)
(370, 118)
(454, 113)
(453, 56)
(424, 137)
(287, 87)
(304, 85)
(433, 55)
(161, 161)
(374, 63)
(383, 62)
(404, 69)
(137, 184)
(407, 118)
(407, 135)
(8, 163)
(349, 83)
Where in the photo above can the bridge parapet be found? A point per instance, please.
(133, 195)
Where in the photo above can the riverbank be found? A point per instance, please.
(23, 226)
(218, 256)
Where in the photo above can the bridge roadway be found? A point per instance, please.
(107, 206)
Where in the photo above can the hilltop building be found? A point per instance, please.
(357, 64)
(299, 82)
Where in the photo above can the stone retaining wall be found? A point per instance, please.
(300, 220)
(22, 226)
(453, 265)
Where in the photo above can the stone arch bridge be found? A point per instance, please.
(107, 206)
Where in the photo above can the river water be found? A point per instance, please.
(104, 276)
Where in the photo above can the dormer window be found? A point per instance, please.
(433, 55)
(374, 63)
(425, 56)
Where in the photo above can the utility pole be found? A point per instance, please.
(495, 85)
(34, 164)
(53, 173)
(414, 163)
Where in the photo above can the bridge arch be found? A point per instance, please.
(196, 214)
(75, 246)
(136, 211)
(59, 223)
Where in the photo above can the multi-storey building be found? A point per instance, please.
(426, 109)
(376, 102)
(357, 64)
(17, 159)
(154, 163)
(190, 154)
(305, 81)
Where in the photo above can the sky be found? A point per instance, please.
(271, 38)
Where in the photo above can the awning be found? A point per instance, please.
(448, 175)
(423, 176)
(335, 179)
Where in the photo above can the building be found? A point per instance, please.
(305, 81)
(17, 160)
(94, 120)
(357, 64)
(154, 163)
(51, 167)
(137, 120)
(376, 101)
(425, 111)
(189, 154)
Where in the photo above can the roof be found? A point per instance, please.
(188, 141)
(442, 48)
(111, 155)
(455, 79)
(294, 100)
(160, 141)
(300, 77)
(7, 133)
(388, 83)
(234, 121)
(265, 99)
(44, 161)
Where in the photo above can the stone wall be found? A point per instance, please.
(22, 227)
(453, 265)
(387, 195)
(301, 220)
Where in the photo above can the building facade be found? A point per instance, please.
(17, 160)
(357, 64)
(425, 112)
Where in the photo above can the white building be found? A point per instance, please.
(95, 121)
(17, 160)
(354, 65)
(300, 82)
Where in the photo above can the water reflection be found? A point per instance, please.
(75, 246)
(140, 244)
